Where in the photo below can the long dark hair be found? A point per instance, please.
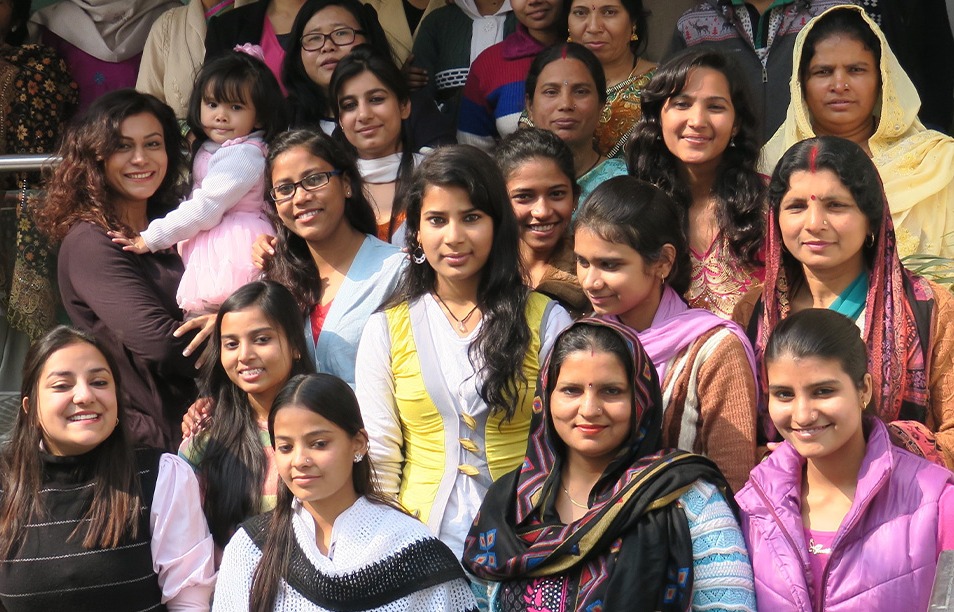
(853, 168)
(232, 465)
(329, 397)
(115, 509)
(308, 102)
(238, 77)
(626, 210)
(364, 59)
(77, 190)
(501, 344)
(18, 22)
(292, 265)
(738, 189)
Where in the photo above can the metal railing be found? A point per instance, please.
(14, 163)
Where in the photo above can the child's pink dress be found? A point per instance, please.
(218, 224)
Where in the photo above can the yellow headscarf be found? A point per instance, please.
(916, 164)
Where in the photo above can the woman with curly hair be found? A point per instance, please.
(698, 141)
(121, 168)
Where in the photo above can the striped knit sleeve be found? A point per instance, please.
(476, 124)
(722, 571)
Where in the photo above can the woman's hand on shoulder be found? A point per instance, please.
(205, 324)
(263, 249)
(134, 245)
(196, 417)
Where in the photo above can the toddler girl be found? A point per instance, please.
(236, 105)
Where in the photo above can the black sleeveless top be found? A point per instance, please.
(52, 572)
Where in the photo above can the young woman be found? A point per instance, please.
(86, 522)
(371, 103)
(831, 244)
(326, 252)
(493, 95)
(256, 346)
(445, 370)
(122, 163)
(566, 90)
(538, 168)
(837, 496)
(325, 32)
(615, 31)
(333, 542)
(698, 141)
(849, 84)
(633, 263)
(598, 516)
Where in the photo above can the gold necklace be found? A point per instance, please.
(460, 322)
(573, 501)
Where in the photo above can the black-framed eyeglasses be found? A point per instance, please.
(312, 182)
(340, 38)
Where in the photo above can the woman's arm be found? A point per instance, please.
(374, 382)
(727, 408)
(234, 171)
(111, 284)
(182, 548)
(722, 570)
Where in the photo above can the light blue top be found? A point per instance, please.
(372, 276)
(607, 170)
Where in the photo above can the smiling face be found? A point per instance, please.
(136, 169)
(617, 280)
(455, 235)
(255, 354)
(317, 215)
(604, 27)
(816, 406)
(370, 115)
(315, 457)
(842, 84)
(222, 120)
(565, 102)
(592, 405)
(821, 224)
(543, 202)
(75, 400)
(698, 122)
(320, 65)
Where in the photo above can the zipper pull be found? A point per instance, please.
(764, 74)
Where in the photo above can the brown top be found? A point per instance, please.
(710, 399)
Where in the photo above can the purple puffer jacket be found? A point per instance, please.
(885, 553)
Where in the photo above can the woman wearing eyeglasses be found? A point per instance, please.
(326, 32)
(326, 252)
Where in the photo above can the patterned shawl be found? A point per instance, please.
(633, 524)
(897, 300)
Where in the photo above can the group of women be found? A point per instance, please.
(461, 419)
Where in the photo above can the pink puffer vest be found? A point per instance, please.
(884, 555)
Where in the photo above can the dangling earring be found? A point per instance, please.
(569, 39)
(417, 255)
(635, 36)
(870, 241)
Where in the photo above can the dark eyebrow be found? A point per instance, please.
(70, 373)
